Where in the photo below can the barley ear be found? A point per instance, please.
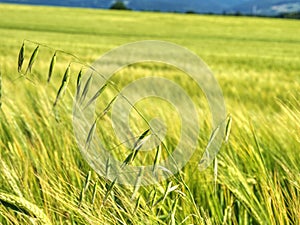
(21, 57)
(0, 89)
(25, 207)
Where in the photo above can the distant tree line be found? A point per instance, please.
(291, 15)
(120, 5)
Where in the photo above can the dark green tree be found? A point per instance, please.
(119, 5)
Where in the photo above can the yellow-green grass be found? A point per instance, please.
(257, 64)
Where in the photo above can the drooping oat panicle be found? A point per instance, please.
(137, 146)
(52, 64)
(85, 187)
(90, 135)
(79, 77)
(63, 86)
(32, 59)
(86, 89)
(107, 108)
(87, 180)
(78, 84)
(207, 156)
(81, 197)
(228, 129)
(157, 157)
(138, 142)
(109, 190)
(127, 160)
(98, 93)
(21, 57)
(107, 167)
(137, 204)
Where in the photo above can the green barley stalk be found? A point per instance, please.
(32, 59)
(173, 211)
(52, 64)
(81, 197)
(0, 89)
(21, 57)
(85, 187)
(138, 182)
(215, 174)
(168, 190)
(63, 86)
(153, 198)
(94, 192)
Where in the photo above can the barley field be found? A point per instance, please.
(44, 178)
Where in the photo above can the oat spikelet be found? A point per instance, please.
(21, 57)
(52, 64)
(63, 86)
(32, 59)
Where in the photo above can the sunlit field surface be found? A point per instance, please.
(45, 180)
